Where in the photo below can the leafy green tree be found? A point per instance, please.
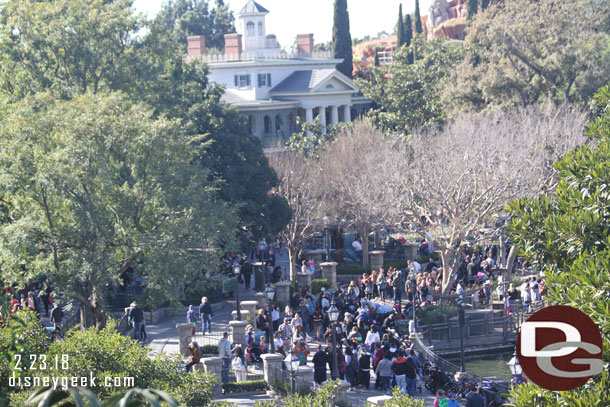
(410, 98)
(409, 36)
(342, 39)
(471, 8)
(522, 52)
(37, 52)
(566, 234)
(400, 29)
(148, 68)
(184, 18)
(98, 186)
(418, 26)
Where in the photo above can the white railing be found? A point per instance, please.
(386, 57)
(250, 56)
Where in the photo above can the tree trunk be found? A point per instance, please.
(449, 270)
(365, 245)
(510, 261)
(291, 259)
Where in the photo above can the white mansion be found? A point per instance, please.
(272, 87)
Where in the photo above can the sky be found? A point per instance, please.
(287, 18)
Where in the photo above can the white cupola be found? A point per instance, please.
(251, 26)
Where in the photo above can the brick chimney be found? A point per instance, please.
(233, 46)
(196, 45)
(305, 44)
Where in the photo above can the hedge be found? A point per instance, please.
(352, 268)
(243, 387)
(209, 349)
(318, 283)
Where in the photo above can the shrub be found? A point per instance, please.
(352, 268)
(195, 390)
(209, 349)
(433, 315)
(403, 400)
(397, 264)
(242, 387)
(318, 283)
(425, 258)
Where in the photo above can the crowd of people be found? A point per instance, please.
(40, 301)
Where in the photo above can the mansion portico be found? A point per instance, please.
(272, 87)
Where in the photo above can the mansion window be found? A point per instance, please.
(242, 81)
(264, 80)
(267, 124)
(250, 29)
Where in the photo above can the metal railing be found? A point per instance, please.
(249, 56)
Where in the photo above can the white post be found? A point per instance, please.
(334, 117)
(308, 118)
(347, 114)
(322, 113)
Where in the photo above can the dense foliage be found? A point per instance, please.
(566, 234)
(400, 29)
(521, 52)
(184, 18)
(342, 39)
(126, 194)
(408, 96)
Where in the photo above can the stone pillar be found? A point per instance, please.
(214, 366)
(305, 373)
(282, 292)
(304, 280)
(334, 114)
(244, 314)
(342, 395)
(376, 257)
(260, 299)
(329, 271)
(378, 400)
(250, 306)
(237, 333)
(347, 114)
(259, 276)
(322, 113)
(185, 332)
(410, 249)
(272, 367)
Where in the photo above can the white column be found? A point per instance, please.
(322, 113)
(347, 114)
(308, 118)
(334, 117)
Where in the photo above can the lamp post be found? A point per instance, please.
(462, 322)
(262, 245)
(515, 370)
(333, 316)
(292, 364)
(236, 271)
(269, 294)
(326, 239)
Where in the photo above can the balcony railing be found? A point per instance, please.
(252, 56)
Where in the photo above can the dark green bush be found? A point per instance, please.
(425, 258)
(251, 385)
(352, 268)
(397, 264)
(318, 283)
(209, 349)
(432, 315)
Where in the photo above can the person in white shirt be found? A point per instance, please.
(372, 337)
(416, 265)
(357, 246)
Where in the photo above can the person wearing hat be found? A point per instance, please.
(452, 400)
(249, 334)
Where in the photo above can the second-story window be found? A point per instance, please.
(242, 81)
(264, 80)
(250, 29)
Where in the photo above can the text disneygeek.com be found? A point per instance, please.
(64, 382)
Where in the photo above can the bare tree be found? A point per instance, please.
(298, 186)
(456, 183)
(352, 177)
